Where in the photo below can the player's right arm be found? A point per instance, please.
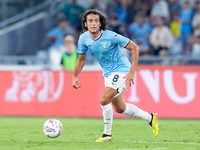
(78, 67)
(82, 50)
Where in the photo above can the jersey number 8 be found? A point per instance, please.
(116, 77)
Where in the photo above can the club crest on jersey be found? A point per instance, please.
(104, 44)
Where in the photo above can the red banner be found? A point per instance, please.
(174, 92)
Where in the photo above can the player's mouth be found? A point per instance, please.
(93, 28)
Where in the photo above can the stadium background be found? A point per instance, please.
(34, 85)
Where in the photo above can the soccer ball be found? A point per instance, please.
(52, 128)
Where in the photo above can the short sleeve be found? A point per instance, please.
(82, 48)
(53, 32)
(120, 40)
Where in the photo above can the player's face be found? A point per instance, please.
(93, 23)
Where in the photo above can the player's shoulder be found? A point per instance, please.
(109, 32)
(84, 35)
(113, 34)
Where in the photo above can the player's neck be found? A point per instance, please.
(96, 35)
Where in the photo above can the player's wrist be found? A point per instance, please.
(74, 77)
(132, 71)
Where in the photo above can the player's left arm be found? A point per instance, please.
(134, 61)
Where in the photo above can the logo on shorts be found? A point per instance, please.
(104, 44)
(113, 83)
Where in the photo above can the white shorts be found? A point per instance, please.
(116, 81)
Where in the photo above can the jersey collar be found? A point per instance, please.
(98, 37)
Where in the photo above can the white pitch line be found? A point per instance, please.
(120, 141)
(158, 142)
(127, 149)
(113, 141)
(90, 149)
(140, 148)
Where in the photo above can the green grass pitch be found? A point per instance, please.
(25, 133)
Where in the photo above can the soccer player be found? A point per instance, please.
(118, 72)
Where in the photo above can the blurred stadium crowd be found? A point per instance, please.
(158, 27)
(161, 28)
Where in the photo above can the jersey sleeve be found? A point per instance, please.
(54, 32)
(120, 40)
(82, 48)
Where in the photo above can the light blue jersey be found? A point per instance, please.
(106, 49)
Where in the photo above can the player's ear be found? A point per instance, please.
(85, 24)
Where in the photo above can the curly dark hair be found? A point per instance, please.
(102, 17)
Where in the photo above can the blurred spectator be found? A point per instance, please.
(121, 11)
(143, 50)
(111, 6)
(160, 8)
(94, 5)
(58, 33)
(174, 6)
(136, 6)
(69, 56)
(73, 13)
(140, 31)
(141, 5)
(114, 24)
(147, 53)
(196, 19)
(99, 5)
(186, 16)
(177, 46)
(195, 42)
(191, 2)
(131, 12)
(164, 54)
(175, 25)
(161, 37)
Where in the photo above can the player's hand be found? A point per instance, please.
(75, 82)
(129, 78)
